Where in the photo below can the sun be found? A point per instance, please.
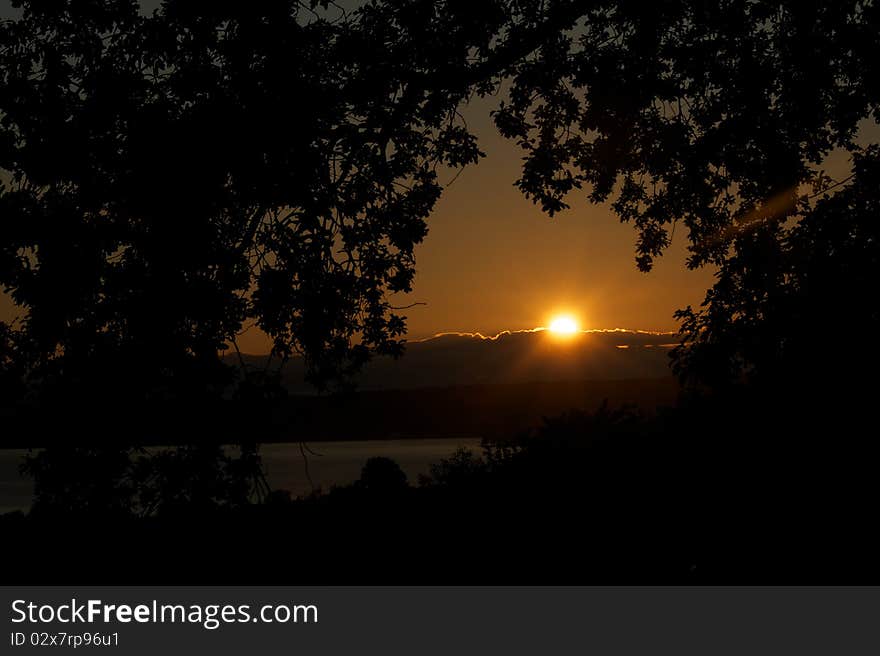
(563, 325)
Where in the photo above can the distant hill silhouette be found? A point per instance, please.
(464, 384)
(450, 385)
(455, 359)
(497, 411)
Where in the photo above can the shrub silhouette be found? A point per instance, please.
(121, 482)
(382, 475)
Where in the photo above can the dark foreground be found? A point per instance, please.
(703, 495)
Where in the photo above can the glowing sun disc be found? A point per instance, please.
(563, 326)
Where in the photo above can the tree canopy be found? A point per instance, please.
(172, 178)
(719, 119)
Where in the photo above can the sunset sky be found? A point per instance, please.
(493, 261)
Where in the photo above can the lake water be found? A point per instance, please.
(336, 463)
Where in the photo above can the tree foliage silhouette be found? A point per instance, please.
(171, 178)
(718, 119)
(167, 180)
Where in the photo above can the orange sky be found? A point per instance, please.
(493, 261)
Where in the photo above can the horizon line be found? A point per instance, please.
(496, 336)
